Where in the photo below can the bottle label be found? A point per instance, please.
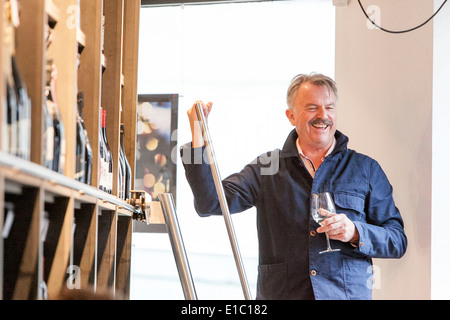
(62, 155)
(50, 138)
(103, 173)
(110, 180)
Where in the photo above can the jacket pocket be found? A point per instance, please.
(350, 204)
(358, 277)
(272, 282)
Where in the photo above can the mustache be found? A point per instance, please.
(326, 122)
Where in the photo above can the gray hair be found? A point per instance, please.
(314, 78)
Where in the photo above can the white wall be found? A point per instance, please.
(440, 258)
(386, 91)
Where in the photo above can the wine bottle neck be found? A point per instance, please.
(80, 103)
(104, 126)
(122, 133)
(103, 119)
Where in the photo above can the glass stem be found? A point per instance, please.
(328, 241)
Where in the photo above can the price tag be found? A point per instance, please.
(8, 223)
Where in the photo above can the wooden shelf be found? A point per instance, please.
(26, 173)
(86, 229)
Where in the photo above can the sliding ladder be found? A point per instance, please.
(222, 199)
(173, 229)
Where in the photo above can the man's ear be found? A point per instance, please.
(290, 116)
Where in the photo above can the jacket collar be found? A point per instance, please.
(290, 148)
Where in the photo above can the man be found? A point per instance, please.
(314, 159)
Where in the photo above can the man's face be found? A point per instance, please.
(314, 116)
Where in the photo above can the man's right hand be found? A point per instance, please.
(196, 127)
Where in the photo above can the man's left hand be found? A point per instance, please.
(339, 227)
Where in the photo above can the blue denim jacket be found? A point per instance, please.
(277, 183)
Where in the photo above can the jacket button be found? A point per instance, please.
(313, 272)
(312, 233)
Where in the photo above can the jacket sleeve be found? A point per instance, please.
(382, 234)
(241, 189)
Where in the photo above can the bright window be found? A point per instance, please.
(242, 57)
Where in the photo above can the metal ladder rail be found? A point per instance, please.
(222, 200)
(176, 240)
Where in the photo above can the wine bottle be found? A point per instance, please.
(120, 177)
(101, 156)
(59, 142)
(23, 113)
(48, 140)
(121, 170)
(88, 160)
(53, 144)
(23, 102)
(17, 139)
(11, 116)
(59, 128)
(108, 161)
(80, 147)
(127, 183)
(9, 132)
(88, 151)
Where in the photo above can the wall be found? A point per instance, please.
(440, 277)
(386, 88)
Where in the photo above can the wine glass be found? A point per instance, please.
(320, 204)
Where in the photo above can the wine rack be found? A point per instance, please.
(58, 233)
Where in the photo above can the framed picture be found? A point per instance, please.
(156, 142)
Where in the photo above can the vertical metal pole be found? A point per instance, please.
(222, 200)
(176, 240)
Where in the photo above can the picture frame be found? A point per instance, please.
(156, 143)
